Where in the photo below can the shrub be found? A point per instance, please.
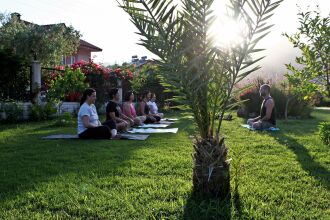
(42, 112)
(324, 102)
(252, 99)
(14, 76)
(102, 79)
(66, 119)
(297, 107)
(70, 84)
(13, 111)
(324, 132)
(148, 78)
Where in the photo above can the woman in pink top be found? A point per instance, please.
(129, 109)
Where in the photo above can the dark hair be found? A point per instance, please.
(87, 92)
(139, 97)
(128, 95)
(113, 92)
(145, 94)
(153, 94)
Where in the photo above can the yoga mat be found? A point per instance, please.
(167, 122)
(138, 137)
(169, 119)
(154, 126)
(61, 136)
(74, 136)
(267, 129)
(153, 130)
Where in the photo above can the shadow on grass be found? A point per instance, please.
(306, 161)
(303, 128)
(29, 161)
(205, 208)
(26, 161)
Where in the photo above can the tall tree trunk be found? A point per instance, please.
(286, 108)
(328, 83)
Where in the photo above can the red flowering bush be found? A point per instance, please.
(91, 68)
(73, 97)
(253, 100)
(67, 86)
(49, 76)
(101, 78)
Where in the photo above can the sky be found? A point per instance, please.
(104, 24)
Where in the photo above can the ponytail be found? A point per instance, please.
(87, 92)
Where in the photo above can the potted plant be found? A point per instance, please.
(204, 73)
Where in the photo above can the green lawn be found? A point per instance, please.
(277, 175)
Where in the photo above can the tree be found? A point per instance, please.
(14, 76)
(204, 74)
(312, 39)
(47, 43)
(147, 78)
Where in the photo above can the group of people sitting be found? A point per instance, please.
(123, 117)
(118, 117)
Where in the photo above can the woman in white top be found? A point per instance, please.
(89, 126)
(153, 106)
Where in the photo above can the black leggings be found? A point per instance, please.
(150, 119)
(157, 118)
(100, 132)
(110, 123)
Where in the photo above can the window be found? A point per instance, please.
(72, 60)
(63, 60)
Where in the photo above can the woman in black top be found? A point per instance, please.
(114, 113)
(144, 109)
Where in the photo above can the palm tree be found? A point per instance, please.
(203, 73)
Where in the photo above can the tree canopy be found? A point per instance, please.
(312, 39)
(47, 43)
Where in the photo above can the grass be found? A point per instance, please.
(275, 175)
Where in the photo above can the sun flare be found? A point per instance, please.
(227, 32)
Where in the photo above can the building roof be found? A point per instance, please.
(82, 43)
(89, 46)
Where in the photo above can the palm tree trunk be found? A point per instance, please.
(211, 177)
(286, 109)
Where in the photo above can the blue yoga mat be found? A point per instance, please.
(267, 129)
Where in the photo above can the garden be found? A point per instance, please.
(281, 175)
(212, 168)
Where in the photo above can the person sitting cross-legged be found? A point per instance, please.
(153, 106)
(267, 118)
(114, 113)
(129, 109)
(144, 109)
(89, 126)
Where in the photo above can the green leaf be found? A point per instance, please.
(245, 74)
(255, 41)
(263, 29)
(249, 63)
(272, 7)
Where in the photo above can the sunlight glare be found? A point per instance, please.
(227, 32)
